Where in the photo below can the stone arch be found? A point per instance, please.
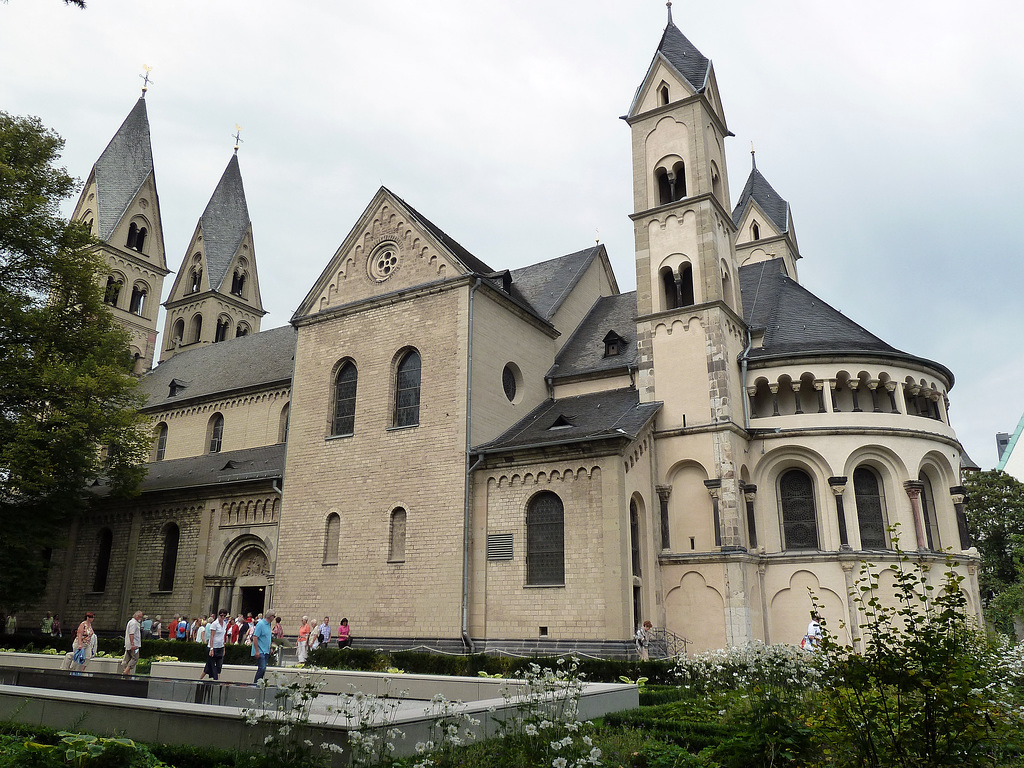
(690, 510)
(768, 514)
(690, 598)
(790, 609)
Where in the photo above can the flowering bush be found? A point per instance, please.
(372, 739)
(287, 742)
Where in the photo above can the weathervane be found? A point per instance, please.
(145, 79)
(237, 136)
(597, 236)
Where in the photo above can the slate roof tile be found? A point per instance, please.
(122, 169)
(598, 416)
(758, 189)
(684, 56)
(544, 286)
(225, 222)
(249, 361)
(584, 351)
(211, 468)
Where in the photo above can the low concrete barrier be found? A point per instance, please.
(105, 664)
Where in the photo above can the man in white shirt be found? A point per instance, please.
(216, 631)
(324, 631)
(132, 643)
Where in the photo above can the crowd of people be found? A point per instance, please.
(263, 633)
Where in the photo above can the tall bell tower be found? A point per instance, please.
(121, 206)
(690, 327)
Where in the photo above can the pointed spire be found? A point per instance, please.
(760, 191)
(684, 56)
(225, 222)
(753, 158)
(123, 168)
(668, 4)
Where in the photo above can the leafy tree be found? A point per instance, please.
(68, 404)
(995, 518)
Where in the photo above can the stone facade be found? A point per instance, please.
(453, 455)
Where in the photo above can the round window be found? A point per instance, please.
(511, 379)
(383, 262)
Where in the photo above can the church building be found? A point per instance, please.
(458, 455)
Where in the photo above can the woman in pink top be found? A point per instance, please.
(344, 636)
(303, 646)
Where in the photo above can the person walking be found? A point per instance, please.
(55, 630)
(643, 640)
(157, 627)
(83, 645)
(132, 643)
(218, 632)
(261, 640)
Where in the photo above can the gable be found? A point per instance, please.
(389, 249)
(661, 73)
(195, 258)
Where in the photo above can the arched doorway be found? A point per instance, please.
(251, 582)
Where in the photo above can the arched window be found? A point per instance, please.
(634, 537)
(727, 296)
(241, 330)
(238, 283)
(396, 547)
(140, 239)
(177, 333)
(332, 539)
(663, 94)
(407, 390)
(755, 231)
(104, 543)
(664, 186)
(678, 181)
(216, 433)
(221, 333)
(161, 441)
(112, 291)
(170, 558)
(282, 432)
(928, 512)
(716, 181)
(668, 285)
(799, 517)
(870, 509)
(133, 234)
(345, 400)
(196, 331)
(685, 285)
(138, 302)
(197, 279)
(545, 540)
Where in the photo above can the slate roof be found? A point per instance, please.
(758, 189)
(225, 467)
(225, 222)
(544, 286)
(684, 56)
(599, 416)
(472, 262)
(249, 361)
(584, 351)
(796, 322)
(122, 169)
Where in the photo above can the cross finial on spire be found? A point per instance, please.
(597, 236)
(145, 79)
(668, 4)
(237, 136)
(753, 158)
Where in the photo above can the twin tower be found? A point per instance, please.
(216, 294)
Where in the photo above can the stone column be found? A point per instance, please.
(913, 489)
(851, 605)
(913, 390)
(832, 383)
(749, 494)
(774, 389)
(854, 385)
(819, 387)
(838, 487)
(751, 396)
(664, 491)
(796, 395)
(890, 387)
(873, 388)
(959, 496)
(714, 488)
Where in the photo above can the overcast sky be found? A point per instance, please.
(892, 128)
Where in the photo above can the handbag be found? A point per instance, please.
(79, 657)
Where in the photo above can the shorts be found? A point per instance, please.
(131, 658)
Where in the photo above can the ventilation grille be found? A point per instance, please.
(499, 546)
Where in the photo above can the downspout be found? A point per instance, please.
(743, 383)
(466, 639)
